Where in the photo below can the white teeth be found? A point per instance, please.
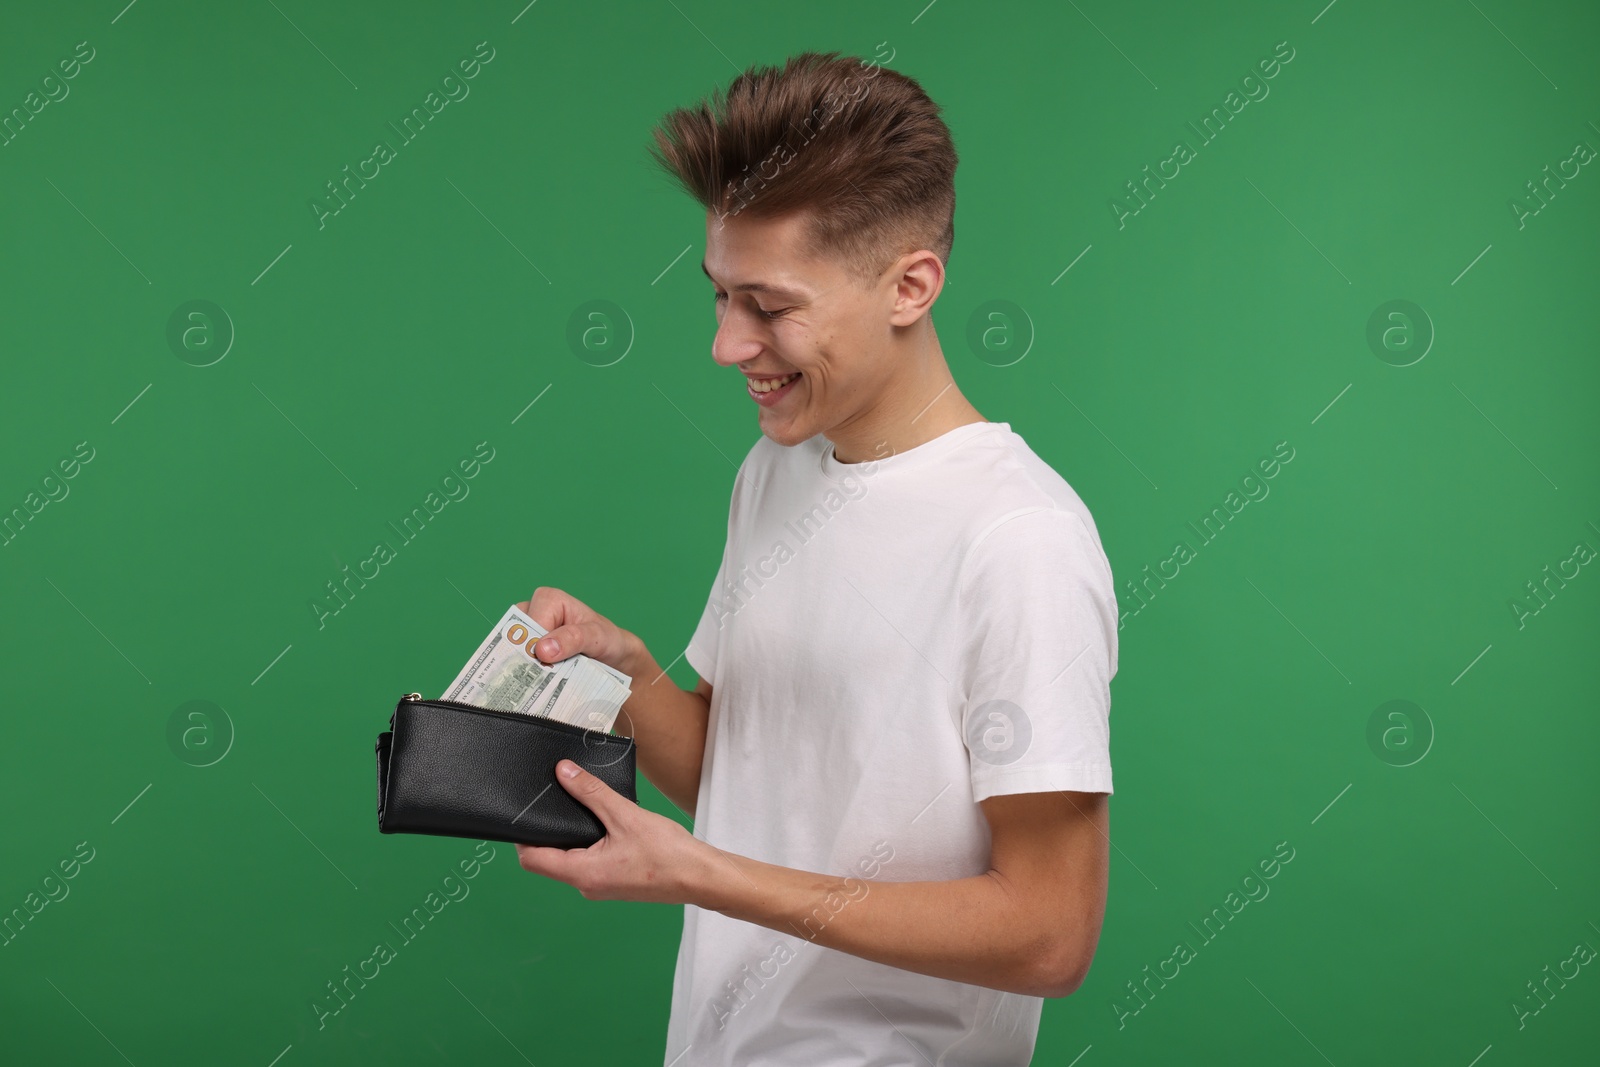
(767, 385)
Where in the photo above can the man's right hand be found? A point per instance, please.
(572, 627)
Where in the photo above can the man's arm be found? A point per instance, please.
(668, 727)
(1030, 924)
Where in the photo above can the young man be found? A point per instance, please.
(897, 754)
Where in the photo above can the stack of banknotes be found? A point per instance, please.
(504, 675)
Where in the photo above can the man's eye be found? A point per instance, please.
(763, 312)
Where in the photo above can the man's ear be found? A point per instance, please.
(919, 283)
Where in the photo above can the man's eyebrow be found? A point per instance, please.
(760, 287)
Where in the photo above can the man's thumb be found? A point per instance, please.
(576, 779)
(553, 646)
(589, 789)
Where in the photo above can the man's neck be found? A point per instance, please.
(910, 414)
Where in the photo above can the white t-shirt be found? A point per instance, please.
(888, 643)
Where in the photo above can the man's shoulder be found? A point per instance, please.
(1027, 518)
(1011, 479)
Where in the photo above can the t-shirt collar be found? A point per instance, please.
(911, 458)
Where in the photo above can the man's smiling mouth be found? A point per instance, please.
(769, 391)
(767, 385)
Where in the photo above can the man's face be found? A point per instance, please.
(811, 343)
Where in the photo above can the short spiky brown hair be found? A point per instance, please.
(859, 149)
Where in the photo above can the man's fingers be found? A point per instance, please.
(589, 791)
(550, 862)
(558, 644)
(569, 640)
(570, 626)
(548, 607)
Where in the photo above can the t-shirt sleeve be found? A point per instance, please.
(704, 645)
(1040, 616)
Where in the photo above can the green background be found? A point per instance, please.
(373, 353)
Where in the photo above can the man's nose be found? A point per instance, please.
(734, 341)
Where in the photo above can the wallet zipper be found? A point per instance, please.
(416, 698)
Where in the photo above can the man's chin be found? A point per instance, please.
(785, 432)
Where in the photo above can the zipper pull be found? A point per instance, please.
(411, 696)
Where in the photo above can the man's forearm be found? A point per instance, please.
(668, 726)
(973, 930)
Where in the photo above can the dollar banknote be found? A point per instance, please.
(504, 675)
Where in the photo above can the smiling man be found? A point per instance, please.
(897, 755)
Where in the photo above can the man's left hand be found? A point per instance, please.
(644, 856)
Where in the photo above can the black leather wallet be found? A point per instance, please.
(457, 770)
